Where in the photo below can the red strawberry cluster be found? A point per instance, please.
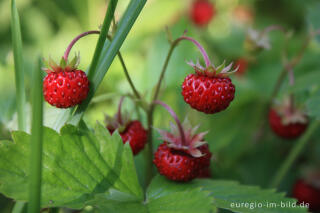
(202, 11)
(65, 86)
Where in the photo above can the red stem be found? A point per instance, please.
(66, 53)
(201, 49)
(175, 117)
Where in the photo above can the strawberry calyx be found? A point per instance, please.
(289, 114)
(210, 70)
(119, 121)
(213, 71)
(192, 139)
(63, 66)
(313, 178)
(182, 137)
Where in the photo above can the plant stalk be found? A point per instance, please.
(36, 143)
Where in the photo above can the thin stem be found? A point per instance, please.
(201, 49)
(66, 53)
(293, 155)
(175, 117)
(135, 91)
(36, 143)
(119, 110)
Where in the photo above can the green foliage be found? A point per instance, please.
(76, 166)
(83, 168)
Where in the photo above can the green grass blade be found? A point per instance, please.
(18, 64)
(36, 142)
(102, 38)
(109, 53)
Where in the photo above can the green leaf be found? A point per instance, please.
(225, 194)
(18, 65)
(229, 194)
(162, 197)
(313, 106)
(77, 165)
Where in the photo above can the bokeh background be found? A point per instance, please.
(48, 26)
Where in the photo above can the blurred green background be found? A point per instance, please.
(48, 26)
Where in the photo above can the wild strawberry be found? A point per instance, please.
(242, 63)
(130, 131)
(65, 86)
(183, 154)
(287, 122)
(308, 192)
(202, 11)
(209, 89)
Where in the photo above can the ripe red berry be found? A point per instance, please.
(175, 164)
(306, 193)
(202, 11)
(135, 134)
(208, 94)
(286, 128)
(182, 159)
(66, 88)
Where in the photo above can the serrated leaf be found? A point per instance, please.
(225, 194)
(313, 107)
(77, 165)
(185, 200)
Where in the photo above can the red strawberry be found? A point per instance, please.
(65, 86)
(180, 160)
(242, 63)
(209, 89)
(287, 122)
(305, 193)
(130, 131)
(202, 12)
(135, 134)
(208, 94)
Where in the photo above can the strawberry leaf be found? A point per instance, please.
(228, 195)
(77, 165)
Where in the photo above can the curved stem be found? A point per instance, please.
(175, 117)
(124, 67)
(295, 152)
(201, 49)
(66, 53)
(119, 116)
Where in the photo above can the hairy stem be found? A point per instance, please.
(293, 155)
(66, 53)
